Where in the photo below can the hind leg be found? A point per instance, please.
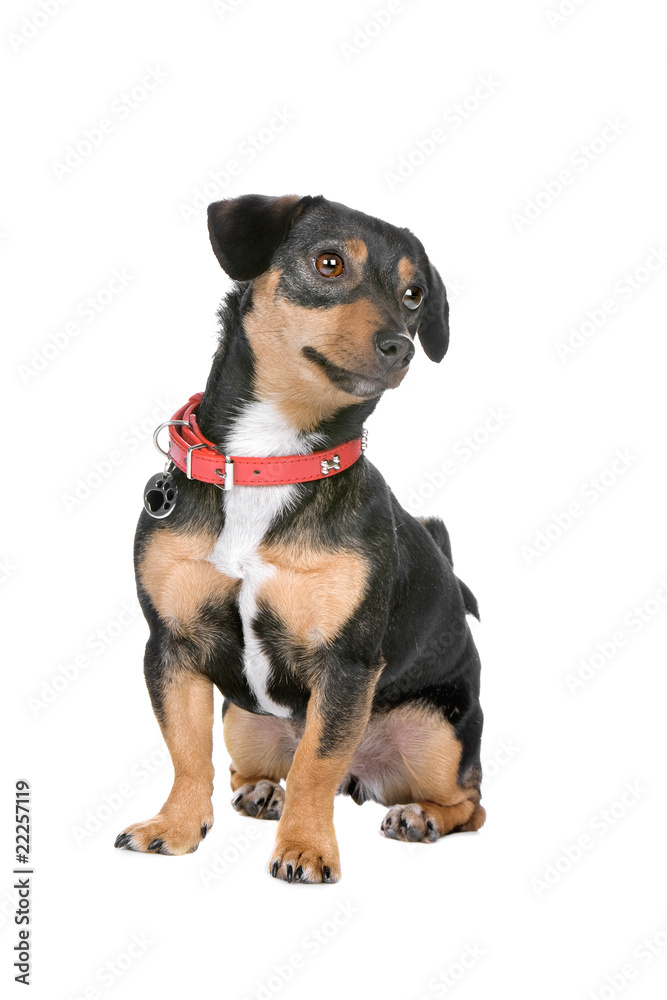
(262, 748)
(411, 759)
(426, 822)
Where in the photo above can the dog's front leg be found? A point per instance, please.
(338, 710)
(183, 703)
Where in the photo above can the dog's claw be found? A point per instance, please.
(204, 830)
(156, 844)
(122, 840)
(296, 862)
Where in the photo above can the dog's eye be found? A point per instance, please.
(330, 265)
(412, 297)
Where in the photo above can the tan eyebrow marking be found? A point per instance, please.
(406, 270)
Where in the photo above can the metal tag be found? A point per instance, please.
(160, 495)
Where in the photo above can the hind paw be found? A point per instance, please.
(263, 800)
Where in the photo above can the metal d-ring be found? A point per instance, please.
(168, 423)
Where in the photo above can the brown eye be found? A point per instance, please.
(330, 265)
(413, 297)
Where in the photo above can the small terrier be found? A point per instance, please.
(274, 563)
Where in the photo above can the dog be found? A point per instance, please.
(330, 619)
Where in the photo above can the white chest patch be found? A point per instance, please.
(249, 512)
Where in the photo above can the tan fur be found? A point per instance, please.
(420, 765)
(406, 271)
(261, 746)
(428, 821)
(358, 250)
(305, 834)
(278, 330)
(187, 726)
(412, 753)
(345, 333)
(175, 574)
(426, 762)
(314, 592)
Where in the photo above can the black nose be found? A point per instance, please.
(395, 349)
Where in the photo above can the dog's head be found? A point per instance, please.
(337, 296)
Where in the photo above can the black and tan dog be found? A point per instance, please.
(330, 619)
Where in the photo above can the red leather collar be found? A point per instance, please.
(199, 458)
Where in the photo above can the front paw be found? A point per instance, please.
(166, 833)
(301, 860)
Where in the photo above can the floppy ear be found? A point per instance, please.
(434, 326)
(246, 232)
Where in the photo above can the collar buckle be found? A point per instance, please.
(226, 475)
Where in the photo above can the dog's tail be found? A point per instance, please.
(438, 532)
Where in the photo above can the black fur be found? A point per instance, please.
(245, 232)
(433, 330)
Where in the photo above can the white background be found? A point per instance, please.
(530, 921)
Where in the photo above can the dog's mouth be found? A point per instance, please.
(354, 383)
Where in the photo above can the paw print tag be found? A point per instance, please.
(160, 495)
